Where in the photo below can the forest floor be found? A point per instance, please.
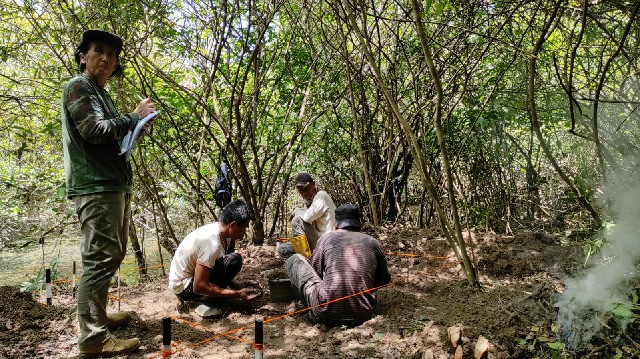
(521, 276)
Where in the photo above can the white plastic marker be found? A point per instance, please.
(47, 279)
(118, 289)
(73, 276)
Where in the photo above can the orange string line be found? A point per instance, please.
(228, 334)
(196, 326)
(166, 353)
(292, 313)
(150, 267)
(65, 280)
(325, 303)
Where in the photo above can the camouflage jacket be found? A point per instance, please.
(92, 130)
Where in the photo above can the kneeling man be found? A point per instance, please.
(344, 262)
(205, 264)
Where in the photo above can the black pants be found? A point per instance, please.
(222, 273)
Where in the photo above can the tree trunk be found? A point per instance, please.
(362, 156)
(535, 124)
(469, 267)
(457, 247)
(135, 244)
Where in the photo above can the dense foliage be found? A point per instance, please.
(491, 113)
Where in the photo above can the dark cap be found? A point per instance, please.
(91, 35)
(348, 215)
(302, 180)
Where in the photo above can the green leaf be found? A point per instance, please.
(522, 341)
(24, 286)
(556, 345)
(622, 311)
(439, 8)
(427, 6)
(473, 39)
(61, 192)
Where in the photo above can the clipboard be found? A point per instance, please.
(130, 139)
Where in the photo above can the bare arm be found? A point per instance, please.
(317, 208)
(202, 286)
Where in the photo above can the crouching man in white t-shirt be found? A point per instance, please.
(205, 264)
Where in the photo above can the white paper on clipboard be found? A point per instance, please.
(129, 141)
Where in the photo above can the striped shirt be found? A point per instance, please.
(348, 263)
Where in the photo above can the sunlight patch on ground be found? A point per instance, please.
(353, 344)
(431, 334)
(301, 332)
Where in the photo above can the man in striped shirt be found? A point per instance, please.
(338, 279)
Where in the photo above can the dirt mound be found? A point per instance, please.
(25, 324)
(525, 254)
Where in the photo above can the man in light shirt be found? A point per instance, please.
(205, 265)
(313, 221)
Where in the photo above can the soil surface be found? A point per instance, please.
(429, 297)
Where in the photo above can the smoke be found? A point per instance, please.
(586, 300)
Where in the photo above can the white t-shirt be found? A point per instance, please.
(200, 246)
(321, 213)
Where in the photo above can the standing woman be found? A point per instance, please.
(99, 182)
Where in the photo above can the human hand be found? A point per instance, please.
(144, 108)
(247, 294)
